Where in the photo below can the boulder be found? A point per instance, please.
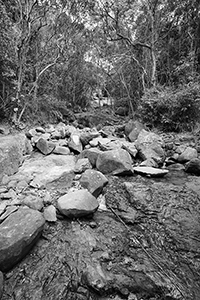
(111, 145)
(93, 181)
(86, 137)
(188, 154)
(99, 140)
(193, 166)
(77, 204)
(1, 284)
(61, 150)
(115, 162)
(18, 234)
(46, 169)
(75, 143)
(44, 146)
(34, 202)
(150, 147)
(82, 164)
(12, 149)
(50, 213)
(154, 172)
(9, 210)
(130, 148)
(132, 130)
(91, 154)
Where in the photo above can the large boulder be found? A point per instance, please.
(18, 233)
(93, 181)
(132, 130)
(12, 149)
(115, 162)
(46, 169)
(193, 166)
(77, 204)
(188, 154)
(150, 148)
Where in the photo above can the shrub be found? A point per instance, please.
(171, 109)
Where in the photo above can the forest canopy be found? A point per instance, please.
(144, 54)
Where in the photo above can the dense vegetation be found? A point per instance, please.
(144, 54)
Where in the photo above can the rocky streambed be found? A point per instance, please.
(138, 239)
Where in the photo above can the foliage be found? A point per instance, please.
(171, 109)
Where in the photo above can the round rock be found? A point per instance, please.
(77, 204)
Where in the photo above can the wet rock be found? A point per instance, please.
(97, 279)
(155, 172)
(9, 211)
(93, 181)
(75, 143)
(188, 154)
(18, 233)
(91, 154)
(82, 164)
(50, 213)
(61, 150)
(77, 204)
(193, 166)
(44, 146)
(115, 162)
(1, 284)
(177, 208)
(150, 146)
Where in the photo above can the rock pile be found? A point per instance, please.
(89, 157)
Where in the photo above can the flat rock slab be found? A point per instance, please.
(155, 172)
(77, 204)
(116, 162)
(18, 233)
(46, 169)
(93, 181)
